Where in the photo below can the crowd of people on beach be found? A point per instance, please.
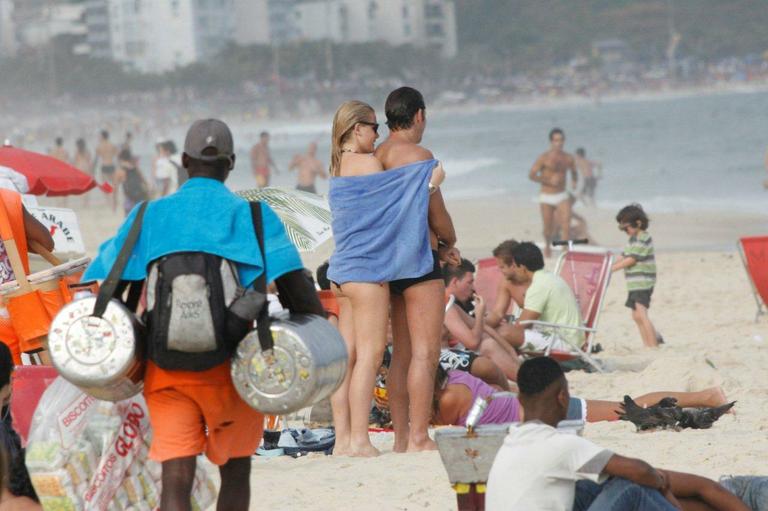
(400, 294)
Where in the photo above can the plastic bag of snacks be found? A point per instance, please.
(93, 455)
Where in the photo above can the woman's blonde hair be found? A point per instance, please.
(347, 116)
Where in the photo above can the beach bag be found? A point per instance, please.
(93, 455)
(135, 187)
(197, 311)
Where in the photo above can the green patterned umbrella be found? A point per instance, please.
(306, 216)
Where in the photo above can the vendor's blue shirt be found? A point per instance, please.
(202, 216)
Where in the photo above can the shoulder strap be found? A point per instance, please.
(262, 321)
(110, 284)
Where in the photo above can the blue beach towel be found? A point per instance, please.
(380, 225)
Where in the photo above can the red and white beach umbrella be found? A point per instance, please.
(46, 175)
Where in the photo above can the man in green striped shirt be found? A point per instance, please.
(639, 265)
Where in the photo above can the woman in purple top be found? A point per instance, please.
(455, 391)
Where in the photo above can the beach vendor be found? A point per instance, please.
(199, 411)
(19, 230)
(538, 467)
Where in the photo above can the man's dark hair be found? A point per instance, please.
(581, 152)
(6, 365)
(105, 134)
(536, 374)
(504, 250)
(634, 216)
(59, 141)
(554, 132)
(457, 272)
(170, 146)
(264, 134)
(401, 106)
(529, 255)
(322, 276)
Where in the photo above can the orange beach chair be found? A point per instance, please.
(754, 255)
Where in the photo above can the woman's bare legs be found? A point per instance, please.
(425, 309)
(370, 312)
(397, 379)
(340, 398)
(606, 410)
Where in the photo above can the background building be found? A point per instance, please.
(421, 23)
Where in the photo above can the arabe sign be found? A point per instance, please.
(63, 226)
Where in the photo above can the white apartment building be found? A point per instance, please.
(153, 36)
(8, 42)
(421, 23)
(35, 22)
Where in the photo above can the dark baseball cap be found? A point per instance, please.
(209, 133)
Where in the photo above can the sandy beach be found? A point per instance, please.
(702, 304)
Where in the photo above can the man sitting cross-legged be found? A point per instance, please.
(471, 333)
(547, 298)
(538, 467)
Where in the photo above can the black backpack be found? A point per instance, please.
(134, 186)
(197, 312)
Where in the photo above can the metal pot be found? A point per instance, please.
(102, 356)
(307, 363)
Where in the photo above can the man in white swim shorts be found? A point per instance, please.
(550, 169)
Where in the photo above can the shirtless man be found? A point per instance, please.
(58, 151)
(590, 172)
(310, 168)
(261, 160)
(550, 170)
(417, 304)
(509, 291)
(106, 152)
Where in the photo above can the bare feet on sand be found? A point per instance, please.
(716, 397)
(364, 451)
(424, 445)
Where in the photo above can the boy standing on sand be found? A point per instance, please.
(639, 265)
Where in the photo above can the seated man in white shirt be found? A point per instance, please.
(540, 468)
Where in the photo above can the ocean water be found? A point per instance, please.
(675, 154)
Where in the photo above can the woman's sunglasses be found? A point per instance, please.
(374, 125)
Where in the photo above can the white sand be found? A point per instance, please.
(702, 304)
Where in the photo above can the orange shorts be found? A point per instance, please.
(188, 420)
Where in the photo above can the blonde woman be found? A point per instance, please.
(374, 213)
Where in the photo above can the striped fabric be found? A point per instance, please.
(642, 275)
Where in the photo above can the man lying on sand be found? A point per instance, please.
(538, 467)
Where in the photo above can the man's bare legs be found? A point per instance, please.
(178, 477)
(425, 311)
(606, 410)
(647, 330)
(370, 312)
(548, 226)
(235, 491)
(340, 398)
(563, 219)
(485, 369)
(500, 356)
(397, 379)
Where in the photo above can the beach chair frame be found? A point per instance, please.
(590, 330)
(761, 306)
